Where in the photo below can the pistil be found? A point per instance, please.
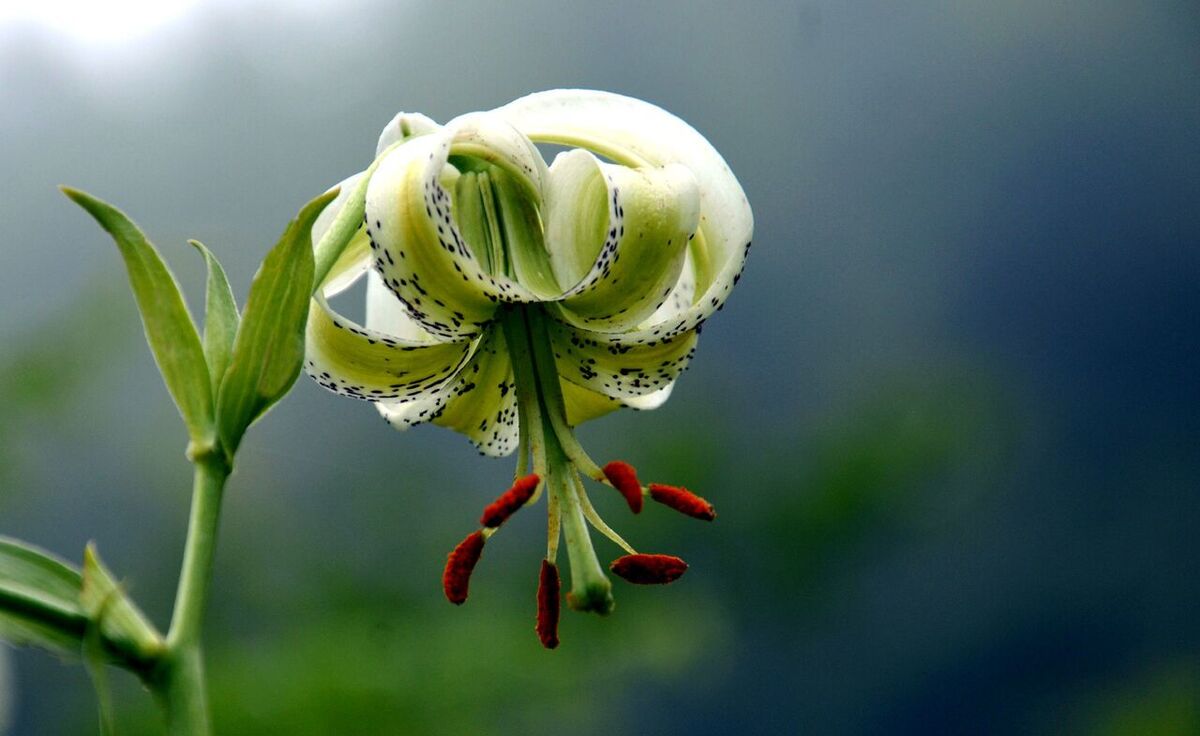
(540, 402)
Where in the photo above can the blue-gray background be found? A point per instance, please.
(949, 418)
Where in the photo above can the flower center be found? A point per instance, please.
(502, 225)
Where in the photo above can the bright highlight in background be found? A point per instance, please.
(95, 20)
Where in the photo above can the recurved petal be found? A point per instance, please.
(387, 315)
(651, 400)
(419, 249)
(584, 404)
(480, 402)
(368, 364)
(619, 236)
(677, 302)
(402, 127)
(619, 369)
(636, 133)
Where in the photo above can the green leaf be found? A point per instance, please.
(120, 623)
(269, 348)
(220, 317)
(39, 599)
(169, 328)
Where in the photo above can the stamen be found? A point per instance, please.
(547, 605)
(624, 478)
(459, 564)
(589, 513)
(649, 569)
(510, 501)
(683, 501)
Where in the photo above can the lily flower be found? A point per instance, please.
(511, 301)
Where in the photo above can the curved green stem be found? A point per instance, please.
(180, 679)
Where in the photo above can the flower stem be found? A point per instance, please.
(180, 679)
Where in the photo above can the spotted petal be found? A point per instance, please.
(368, 364)
(483, 400)
(619, 235)
(604, 363)
(480, 402)
(616, 372)
(636, 133)
(583, 404)
(419, 249)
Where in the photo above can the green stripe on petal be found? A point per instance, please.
(602, 363)
(338, 227)
(419, 249)
(354, 261)
(584, 404)
(368, 364)
(619, 235)
(636, 133)
(404, 126)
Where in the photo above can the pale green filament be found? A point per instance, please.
(594, 519)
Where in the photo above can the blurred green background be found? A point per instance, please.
(950, 417)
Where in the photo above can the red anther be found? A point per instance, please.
(547, 605)
(459, 565)
(624, 479)
(649, 569)
(510, 501)
(683, 501)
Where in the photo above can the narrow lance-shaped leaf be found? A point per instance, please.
(39, 599)
(269, 348)
(169, 328)
(119, 621)
(220, 317)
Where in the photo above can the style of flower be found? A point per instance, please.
(511, 301)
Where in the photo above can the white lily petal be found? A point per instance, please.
(636, 133)
(352, 360)
(419, 249)
(480, 402)
(583, 404)
(682, 295)
(619, 235)
(402, 127)
(650, 401)
(492, 139)
(350, 266)
(404, 414)
(677, 303)
(387, 315)
(620, 370)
